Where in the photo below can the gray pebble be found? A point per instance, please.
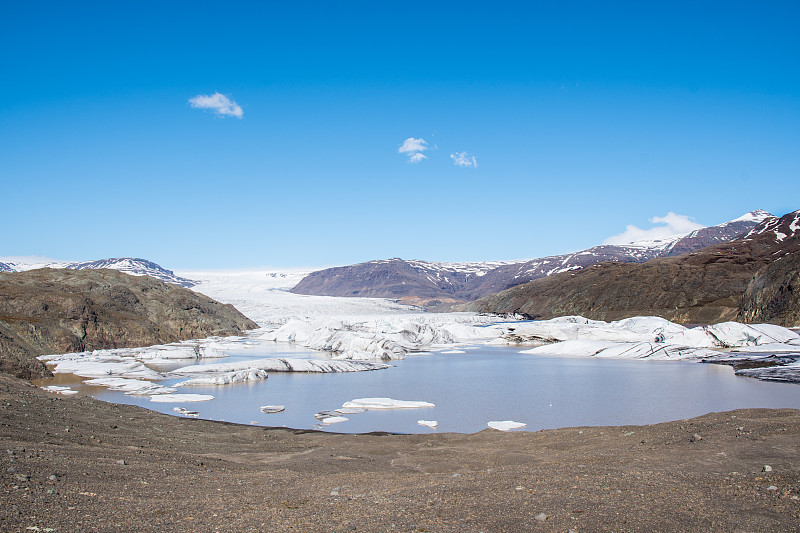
(696, 437)
(23, 477)
(121, 462)
(766, 468)
(53, 477)
(11, 470)
(772, 487)
(541, 517)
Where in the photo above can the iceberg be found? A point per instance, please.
(134, 387)
(174, 398)
(281, 364)
(334, 420)
(270, 409)
(227, 378)
(428, 423)
(385, 403)
(94, 369)
(66, 391)
(621, 350)
(505, 425)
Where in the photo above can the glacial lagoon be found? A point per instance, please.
(471, 388)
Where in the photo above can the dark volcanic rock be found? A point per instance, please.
(58, 310)
(701, 287)
(774, 293)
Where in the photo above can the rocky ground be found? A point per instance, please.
(78, 464)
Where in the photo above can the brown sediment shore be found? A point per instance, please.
(78, 464)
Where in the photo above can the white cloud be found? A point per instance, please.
(463, 159)
(671, 225)
(413, 148)
(413, 145)
(218, 103)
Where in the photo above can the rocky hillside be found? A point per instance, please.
(774, 294)
(60, 310)
(398, 278)
(700, 287)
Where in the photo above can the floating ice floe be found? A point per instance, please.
(505, 425)
(385, 403)
(271, 409)
(133, 387)
(350, 410)
(453, 351)
(227, 378)
(94, 369)
(789, 373)
(281, 364)
(66, 391)
(174, 398)
(334, 420)
(186, 412)
(429, 423)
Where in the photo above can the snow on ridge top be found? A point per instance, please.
(134, 266)
(756, 215)
(477, 267)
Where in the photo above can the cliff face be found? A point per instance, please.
(774, 293)
(742, 279)
(57, 310)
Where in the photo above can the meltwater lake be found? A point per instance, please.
(470, 389)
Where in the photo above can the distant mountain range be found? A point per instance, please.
(753, 279)
(129, 265)
(448, 282)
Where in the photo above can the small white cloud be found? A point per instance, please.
(413, 148)
(463, 159)
(671, 225)
(218, 103)
(412, 145)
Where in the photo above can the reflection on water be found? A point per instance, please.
(472, 388)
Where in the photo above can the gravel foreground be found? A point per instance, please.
(78, 464)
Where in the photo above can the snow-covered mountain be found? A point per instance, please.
(129, 265)
(397, 278)
(781, 227)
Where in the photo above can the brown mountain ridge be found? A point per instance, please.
(754, 279)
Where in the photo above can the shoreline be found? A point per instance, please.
(97, 466)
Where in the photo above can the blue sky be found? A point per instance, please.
(582, 118)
